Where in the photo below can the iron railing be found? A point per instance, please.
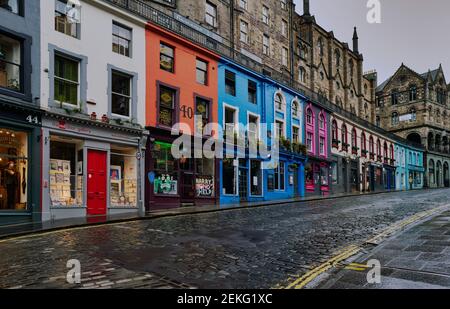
(224, 48)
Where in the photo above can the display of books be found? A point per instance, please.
(60, 184)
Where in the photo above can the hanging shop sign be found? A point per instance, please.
(204, 186)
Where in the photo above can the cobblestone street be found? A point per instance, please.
(243, 248)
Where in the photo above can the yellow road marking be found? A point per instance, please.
(352, 250)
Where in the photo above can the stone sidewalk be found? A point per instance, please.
(418, 258)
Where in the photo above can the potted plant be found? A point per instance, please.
(105, 119)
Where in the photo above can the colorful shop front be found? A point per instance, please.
(318, 167)
(91, 168)
(20, 155)
(241, 116)
(284, 176)
(181, 91)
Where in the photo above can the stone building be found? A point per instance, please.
(330, 67)
(259, 31)
(416, 107)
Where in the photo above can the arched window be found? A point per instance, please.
(309, 117)
(334, 130)
(354, 142)
(371, 145)
(392, 152)
(412, 112)
(412, 93)
(431, 171)
(363, 143)
(385, 151)
(394, 119)
(350, 67)
(379, 148)
(295, 109)
(279, 102)
(320, 46)
(337, 56)
(394, 97)
(322, 125)
(302, 75)
(344, 137)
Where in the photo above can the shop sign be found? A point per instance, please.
(204, 186)
(165, 184)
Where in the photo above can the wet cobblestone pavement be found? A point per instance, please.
(242, 248)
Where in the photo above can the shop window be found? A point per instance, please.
(280, 177)
(166, 176)
(120, 94)
(121, 39)
(67, 18)
(202, 112)
(309, 175)
(256, 177)
(66, 80)
(324, 175)
(229, 177)
(66, 173)
(13, 170)
(204, 179)
(167, 102)
(123, 178)
(167, 58)
(11, 69)
(334, 173)
(202, 71)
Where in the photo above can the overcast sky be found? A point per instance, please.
(415, 32)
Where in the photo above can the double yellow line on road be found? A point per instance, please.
(347, 252)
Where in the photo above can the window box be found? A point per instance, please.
(355, 150)
(335, 143)
(379, 158)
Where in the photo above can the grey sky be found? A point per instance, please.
(411, 31)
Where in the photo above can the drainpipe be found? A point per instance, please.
(232, 28)
(291, 38)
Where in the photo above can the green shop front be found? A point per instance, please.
(172, 182)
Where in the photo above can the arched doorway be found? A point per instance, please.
(430, 141)
(431, 179)
(415, 138)
(439, 174)
(446, 175)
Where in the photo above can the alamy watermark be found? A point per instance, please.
(374, 13)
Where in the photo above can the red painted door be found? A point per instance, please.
(96, 183)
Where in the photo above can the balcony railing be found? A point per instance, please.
(225, 49)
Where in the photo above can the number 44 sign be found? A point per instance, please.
(32, 119)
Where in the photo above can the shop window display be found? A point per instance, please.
(13, 170)
(123, 179)
(66, 173)
(204, 179)
(166, 179)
